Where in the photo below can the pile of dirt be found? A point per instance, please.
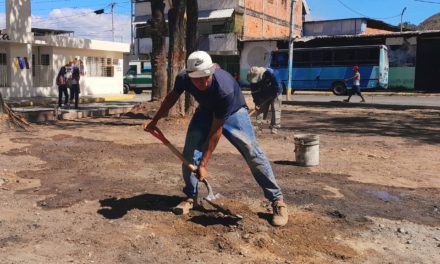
(432, 23)
(144, 110)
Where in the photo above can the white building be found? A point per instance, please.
(30, 62)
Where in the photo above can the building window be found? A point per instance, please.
(45, 59)
(3, 59)
(3, 70)
(100, 67)
(270, 1)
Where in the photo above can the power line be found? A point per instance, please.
(430, 2)
(363, 15)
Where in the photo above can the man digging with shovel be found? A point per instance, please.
(222, 110)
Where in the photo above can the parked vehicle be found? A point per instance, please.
(326, 68)
(138, 77)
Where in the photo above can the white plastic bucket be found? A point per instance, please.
(307, 149)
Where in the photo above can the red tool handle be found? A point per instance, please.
(159, 135)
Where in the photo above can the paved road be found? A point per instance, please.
(381, 100)
(424, 101)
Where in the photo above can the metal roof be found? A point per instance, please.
(370, 22)
(204, 15)
(42, 31)
(216, 14)
(391, 34)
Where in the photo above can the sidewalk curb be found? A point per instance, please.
(366, 93)
(50, 101)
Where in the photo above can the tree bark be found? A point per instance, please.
(192, 12)
(16, 120)
(177, 49)
(2, 109)
(158, 56)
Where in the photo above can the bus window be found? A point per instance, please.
(321, 58)
(344, 57)
(146, 67)
(279, 60)
(301, 58)
(367, 56)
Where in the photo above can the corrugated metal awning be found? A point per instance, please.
(141, 19)
(204, 15)
(216, 14)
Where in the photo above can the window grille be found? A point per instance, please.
(3, 70)
(99, 67)
(45, 59)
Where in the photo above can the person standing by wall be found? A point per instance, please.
(62, 87)
(74, 86)
(266, 92)
(356, 87)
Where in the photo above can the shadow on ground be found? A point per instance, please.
(114, 208)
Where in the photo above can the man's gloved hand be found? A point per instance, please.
(201, 173)
(257, 107)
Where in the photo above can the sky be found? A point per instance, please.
(388, 11)
(78, 15)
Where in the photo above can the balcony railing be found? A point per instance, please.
(225, 43)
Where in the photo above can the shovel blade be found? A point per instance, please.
(212, 197)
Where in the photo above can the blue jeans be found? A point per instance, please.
(239, 131)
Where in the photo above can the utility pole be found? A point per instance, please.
(401, 20)
(131, 26)
(291, 38)
(113, 28)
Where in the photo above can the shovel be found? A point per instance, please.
(211, 196)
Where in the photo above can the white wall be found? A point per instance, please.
(20, 79)
(88, 85)
(255, 54)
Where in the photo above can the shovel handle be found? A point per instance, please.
(253, 111)
(159, 135)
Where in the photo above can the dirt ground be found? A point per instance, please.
(100, 191)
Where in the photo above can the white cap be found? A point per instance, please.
(255, 74)
(199, 64)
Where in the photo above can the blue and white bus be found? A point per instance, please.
(326, 68)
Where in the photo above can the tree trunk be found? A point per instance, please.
(11, 117)
(192, 13)
(177, 51)
(2, 109)
(158, 56)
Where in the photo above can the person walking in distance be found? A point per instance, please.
(62, 87)
(222, 110)
(266, 93)
(356, 87)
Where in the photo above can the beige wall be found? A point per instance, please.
(257, 27)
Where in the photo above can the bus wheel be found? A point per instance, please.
(126, 88)
(339, 88)
(137, 91)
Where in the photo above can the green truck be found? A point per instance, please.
(138, 77)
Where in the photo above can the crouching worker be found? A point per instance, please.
(222, 110)
(266, 93)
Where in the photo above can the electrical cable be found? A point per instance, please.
(363, 15)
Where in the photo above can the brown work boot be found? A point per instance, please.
(280, 214)
(184, 207)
